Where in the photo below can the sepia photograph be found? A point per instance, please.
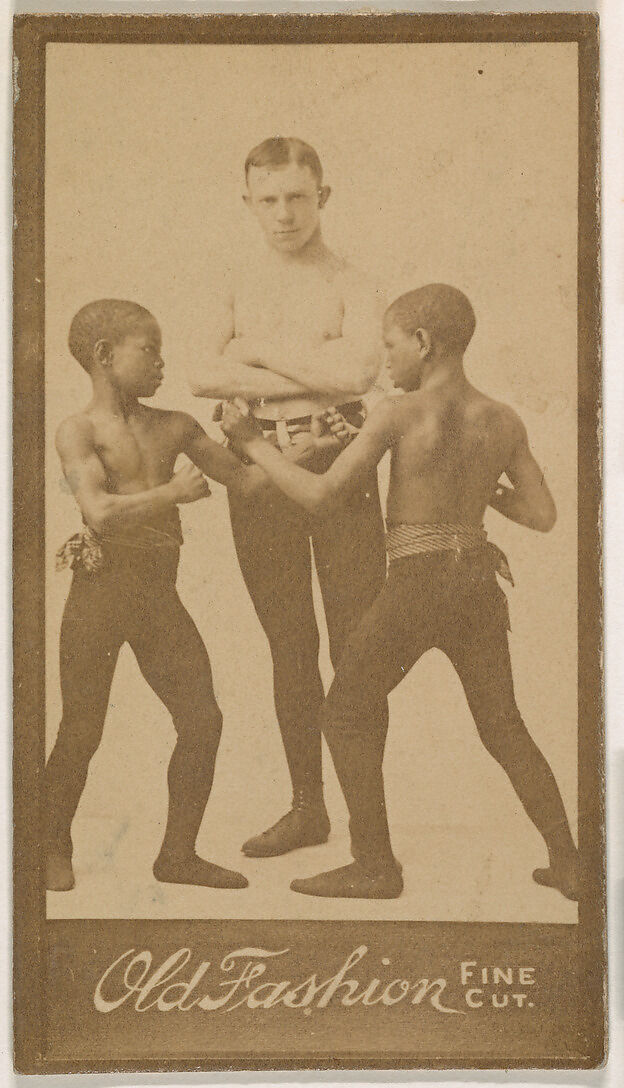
(306, 379)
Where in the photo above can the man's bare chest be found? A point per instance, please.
(300, 305)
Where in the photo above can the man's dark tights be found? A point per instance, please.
(272, 538)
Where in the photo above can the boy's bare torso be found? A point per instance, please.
(137, 452)
(448, 454)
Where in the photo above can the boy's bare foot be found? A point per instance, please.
(59, 873)
(352, 882)
(194, 870)
(564, 878)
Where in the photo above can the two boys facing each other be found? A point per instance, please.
(450, 445)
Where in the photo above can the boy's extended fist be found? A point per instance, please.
(238, 423)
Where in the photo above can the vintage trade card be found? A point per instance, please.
(308, 751)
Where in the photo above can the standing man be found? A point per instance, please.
(295, 330)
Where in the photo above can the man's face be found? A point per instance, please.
(136, 366)
(403, 358)
(286, 201)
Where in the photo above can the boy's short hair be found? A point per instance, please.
(443, 311)
(280, 150)
(106, 319)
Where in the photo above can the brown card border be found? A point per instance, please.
(32, 934)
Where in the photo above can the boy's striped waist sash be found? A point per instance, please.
(404, 539)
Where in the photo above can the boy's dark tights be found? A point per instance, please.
(133, 600)
(456, 605)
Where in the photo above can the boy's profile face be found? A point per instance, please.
(403, 357)
(134, 363)
(286, 201)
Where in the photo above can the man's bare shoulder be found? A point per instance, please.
(355, 281)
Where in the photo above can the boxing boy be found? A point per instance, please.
(450, 445)
(118, 456)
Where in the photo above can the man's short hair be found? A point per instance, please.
(443, 311)
(280, 150)
(106, 319)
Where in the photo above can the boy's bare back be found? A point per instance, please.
(449, 451)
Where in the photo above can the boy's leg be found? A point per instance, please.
(174, 661)
(89, 647)
(480, 655)
(273, 548)
(393, 634)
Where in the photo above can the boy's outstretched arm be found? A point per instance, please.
(311, 490)
(226, 468)
(217, 462)
(528, 501)
(103, 510)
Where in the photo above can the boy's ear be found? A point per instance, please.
(324, 194)
(423, 341)
(101, 352)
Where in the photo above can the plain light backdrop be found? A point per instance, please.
(454, 163)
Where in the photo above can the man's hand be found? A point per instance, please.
(188, 485)
(238, 423)
(217, 414)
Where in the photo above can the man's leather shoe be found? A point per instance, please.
(307, 824)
